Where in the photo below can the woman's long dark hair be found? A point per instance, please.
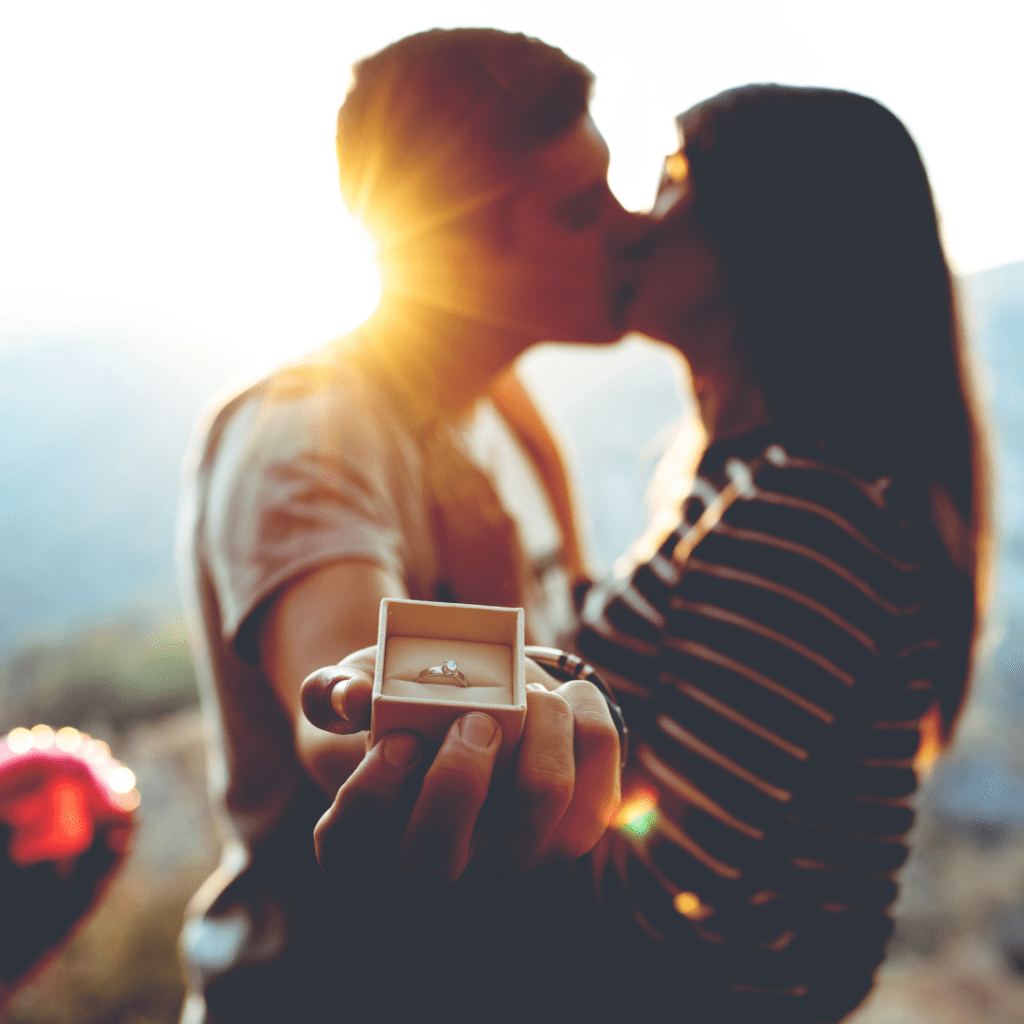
(821, 209)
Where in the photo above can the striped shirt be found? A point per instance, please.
(773, 661)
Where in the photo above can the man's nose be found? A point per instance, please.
(633, 238)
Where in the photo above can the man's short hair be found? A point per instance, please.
(436, 122)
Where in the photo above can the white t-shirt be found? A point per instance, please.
(317, 463)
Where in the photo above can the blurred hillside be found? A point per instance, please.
(103, 680)
(994, 304)
(94, 430)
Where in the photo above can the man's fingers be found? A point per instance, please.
(337, 698)
(596, 752)
(540, 788)
(438, 840)
(353, 835)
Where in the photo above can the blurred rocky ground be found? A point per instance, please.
(957, 956)
(121, 966)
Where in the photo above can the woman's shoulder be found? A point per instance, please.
(796, 481)
(803, 467)
(800, 512)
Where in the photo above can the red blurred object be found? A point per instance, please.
(67, 813)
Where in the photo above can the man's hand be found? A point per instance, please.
(556, 802)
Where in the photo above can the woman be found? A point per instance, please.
(778, 654)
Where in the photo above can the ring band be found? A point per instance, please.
(447, 673)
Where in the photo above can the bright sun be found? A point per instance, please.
(360, 275)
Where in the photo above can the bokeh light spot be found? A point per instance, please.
(68, 739)
(638, 814)
(19, 740)
(42, 737)
(128, 801)
(121, 779)
(95, 751)
(690, 906)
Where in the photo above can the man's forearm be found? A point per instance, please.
(317, 620)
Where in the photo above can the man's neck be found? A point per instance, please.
(443, 360)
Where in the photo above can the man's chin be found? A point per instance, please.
(596, 339)
(597, 332)
(640, 318)
(601, 334)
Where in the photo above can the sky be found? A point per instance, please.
(170, 167)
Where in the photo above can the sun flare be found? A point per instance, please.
(359, 273)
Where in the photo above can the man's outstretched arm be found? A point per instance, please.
(317, 620)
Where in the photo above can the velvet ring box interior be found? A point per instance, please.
(437, 661)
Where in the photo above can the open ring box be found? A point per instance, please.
(487, 646)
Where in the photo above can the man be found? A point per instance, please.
(349, 476)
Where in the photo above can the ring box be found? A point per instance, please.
(487, 645)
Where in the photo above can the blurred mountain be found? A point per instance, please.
(994, 307)
(95, 427)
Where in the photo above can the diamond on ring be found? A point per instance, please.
(447, 672)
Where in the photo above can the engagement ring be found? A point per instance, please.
(447, 673)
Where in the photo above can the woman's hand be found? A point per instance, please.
(556, 801)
